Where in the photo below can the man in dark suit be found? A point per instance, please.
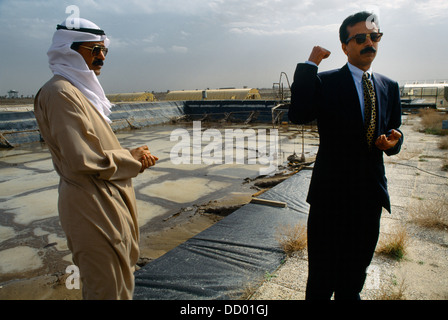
(348, 187)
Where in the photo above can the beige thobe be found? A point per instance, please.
(97, 205)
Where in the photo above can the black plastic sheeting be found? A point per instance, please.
(140, 115)
(21, 127)
(236, 252)
(239, 110)
(17, 128)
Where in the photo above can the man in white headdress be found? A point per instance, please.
(97, 205)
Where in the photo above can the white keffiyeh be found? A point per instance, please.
(70, 64)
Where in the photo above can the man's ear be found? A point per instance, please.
(344, 47)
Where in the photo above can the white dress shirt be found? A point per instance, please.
(357, 77)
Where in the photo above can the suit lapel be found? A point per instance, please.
(381, 96)
(350, 95)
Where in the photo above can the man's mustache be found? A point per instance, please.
(98, 62)
(368, 49)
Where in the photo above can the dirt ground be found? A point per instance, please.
(422, 274)
(417, 183)
(153, 245)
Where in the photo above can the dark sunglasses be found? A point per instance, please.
(96, 50)
(362, 37)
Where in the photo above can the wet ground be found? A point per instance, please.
(175, 200)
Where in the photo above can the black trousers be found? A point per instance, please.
(341, 244)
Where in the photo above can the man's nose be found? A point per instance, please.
(369, 41)
(101, 55)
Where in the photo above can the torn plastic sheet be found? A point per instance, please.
(231, 255)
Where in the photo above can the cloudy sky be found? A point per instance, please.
(159, 45)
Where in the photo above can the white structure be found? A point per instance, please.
(433, 93)
(13, 94)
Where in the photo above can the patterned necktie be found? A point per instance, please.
(369, 108)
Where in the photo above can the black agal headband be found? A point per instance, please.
(88, 30)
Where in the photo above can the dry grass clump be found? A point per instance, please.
(394, 245)
(408, 154)
(431, 121)
(443, 143)
(393, 291)
(430, 214)
(292, 238)
(445, 165)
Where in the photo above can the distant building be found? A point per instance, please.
(434, 93)
(131, 97)
(218, 94)
(13, 94)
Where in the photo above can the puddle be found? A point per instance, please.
(174, 202)
(19, 259)
(184, 190)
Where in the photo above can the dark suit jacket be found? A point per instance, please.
(344, 166)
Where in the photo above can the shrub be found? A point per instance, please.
(431, 121)
(292, 239)
(394, 244)
(430, 214)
